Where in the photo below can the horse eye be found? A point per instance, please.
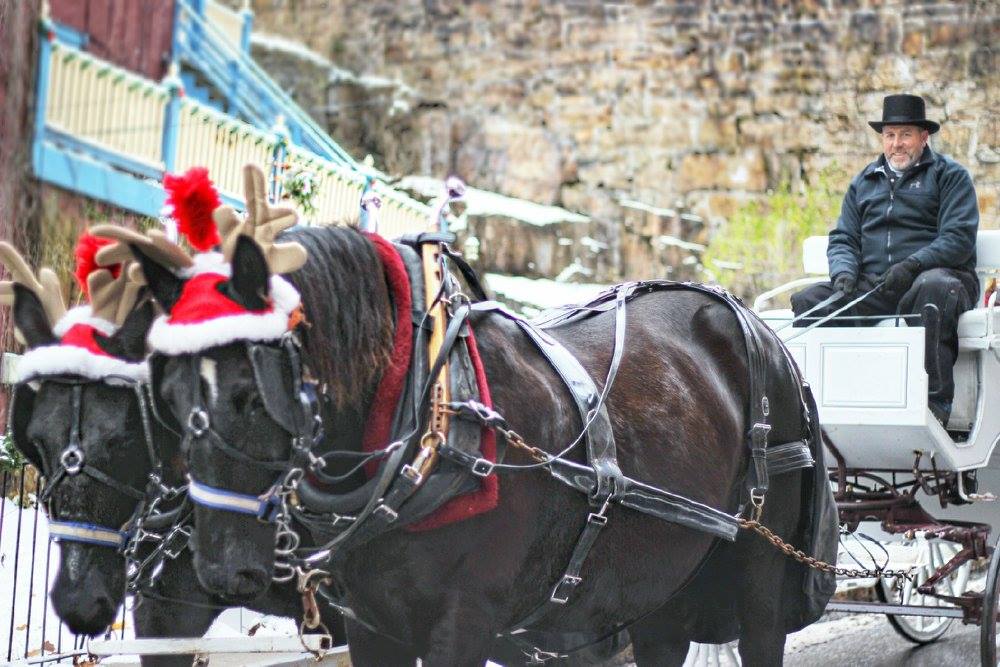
(247, 398)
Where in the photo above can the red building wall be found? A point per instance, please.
(134, 34)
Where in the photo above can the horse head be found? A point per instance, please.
(223, 364)
(232, 401)
(78, 414)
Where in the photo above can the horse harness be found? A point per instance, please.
(382, 503)
(72, 462)
(397, 493)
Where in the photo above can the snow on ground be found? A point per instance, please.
(28, 565)
(483, 202)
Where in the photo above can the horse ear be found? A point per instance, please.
(250, 283)
(129, 342)
(165, 286)
(30, 318)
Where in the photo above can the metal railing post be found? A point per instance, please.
(172, 117)
(47, 33)
(279, 164)
(247, 15)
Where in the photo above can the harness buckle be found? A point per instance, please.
(757, 496)
(412, 474)
(599, 518)
(759, 432)
(482, 467)
(269, 508)
(568, 582)
(540, 657)
(175, 542)
(386, 513)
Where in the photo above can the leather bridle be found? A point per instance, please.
(72, 462)
(295, 412)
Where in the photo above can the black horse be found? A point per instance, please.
(90, 585)
(679, 415)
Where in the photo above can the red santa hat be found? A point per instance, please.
(203, 316)
(78, 352)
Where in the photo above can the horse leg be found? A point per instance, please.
(762, 632)
(656, 642)
(156, 618)
(169, 618)
(370, 649)
(462, 637)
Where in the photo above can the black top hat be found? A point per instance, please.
(904, 110)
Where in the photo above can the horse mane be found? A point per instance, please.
(349, 332)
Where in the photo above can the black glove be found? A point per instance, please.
(846, 283)
(900, 277)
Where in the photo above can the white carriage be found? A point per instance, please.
(885, 446)
(871, 386)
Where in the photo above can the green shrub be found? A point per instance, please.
(760, 247)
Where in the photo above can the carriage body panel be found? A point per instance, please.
(871, 386)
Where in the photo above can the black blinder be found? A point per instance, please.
(273, 375)
(19, 411)
(161, 409)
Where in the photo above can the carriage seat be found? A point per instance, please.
(984, 320)
(979, 323)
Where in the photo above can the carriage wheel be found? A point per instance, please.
(924, 629)
(988, 617)
(712, 655)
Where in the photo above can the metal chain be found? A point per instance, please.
(815, 563)
(515, 440)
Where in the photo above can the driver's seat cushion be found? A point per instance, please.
(973, 323)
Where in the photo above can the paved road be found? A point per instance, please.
(870, 641)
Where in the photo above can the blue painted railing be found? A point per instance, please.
(250, 93)
(110, 135)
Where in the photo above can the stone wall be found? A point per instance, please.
(684, 105)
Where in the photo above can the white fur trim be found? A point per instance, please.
(72, 360)
(82, 315)
(187, 338)
(286, 298)
(207, 262)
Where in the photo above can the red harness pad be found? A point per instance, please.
(379, 425)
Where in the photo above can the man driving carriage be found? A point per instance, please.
(908, 226)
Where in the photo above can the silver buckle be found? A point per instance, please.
(72, 460)
(567, 580)
(412, 474)
(386, 513)
(198, 422)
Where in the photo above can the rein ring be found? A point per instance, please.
(198, 422)
(72, 460)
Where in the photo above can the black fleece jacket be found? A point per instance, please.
(929, 213)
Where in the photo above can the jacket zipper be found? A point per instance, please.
(888, 226)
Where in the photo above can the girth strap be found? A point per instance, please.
(571, 578)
